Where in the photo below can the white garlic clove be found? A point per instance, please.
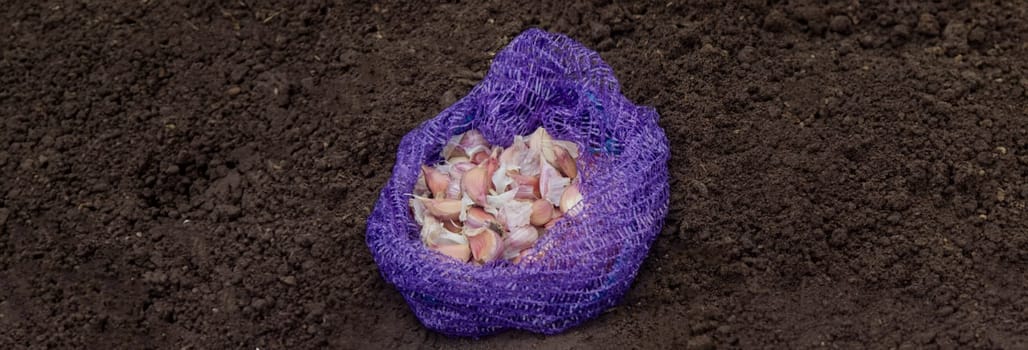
(570, 199)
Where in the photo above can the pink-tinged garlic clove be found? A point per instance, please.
(476, 185)
(436, 181)
(490, 164)
(486, 244)
(443, 209)
(527, 186)
(570, 199)
(461, 252)
(542, 211)
(565, 162)
(479, 218)
(552, 184)
(456, 172)
(479, 157)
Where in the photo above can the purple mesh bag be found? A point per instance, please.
(586, 262)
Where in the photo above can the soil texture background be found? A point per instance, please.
(188, 175)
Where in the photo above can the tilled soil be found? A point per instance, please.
(176, 175)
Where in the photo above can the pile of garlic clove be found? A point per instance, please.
(486, 202)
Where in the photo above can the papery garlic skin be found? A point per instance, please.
(496, 201)
(515, 214)
(433, 233)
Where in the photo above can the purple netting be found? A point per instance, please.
(587, 261)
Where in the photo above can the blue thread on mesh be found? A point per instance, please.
(585, 263)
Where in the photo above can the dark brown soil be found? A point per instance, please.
(185, 176)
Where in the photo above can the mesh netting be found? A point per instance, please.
(585, 263)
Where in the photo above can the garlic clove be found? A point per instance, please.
(461, 252)
(458, 159)
(542, 211)
(486, 244)
(436, 181)
(507, 157)
(491, 164)
(476, 185)
(462, 167)
(552, 184)
(515, 214)
(473, 143)
(539, 139)
(433, 233)
(528, 186)
(478, 218)
(520, 238)
(570, 147)
(570, 199)
(565, 162)
(443, 209)
(456, 172)
(479, 157)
